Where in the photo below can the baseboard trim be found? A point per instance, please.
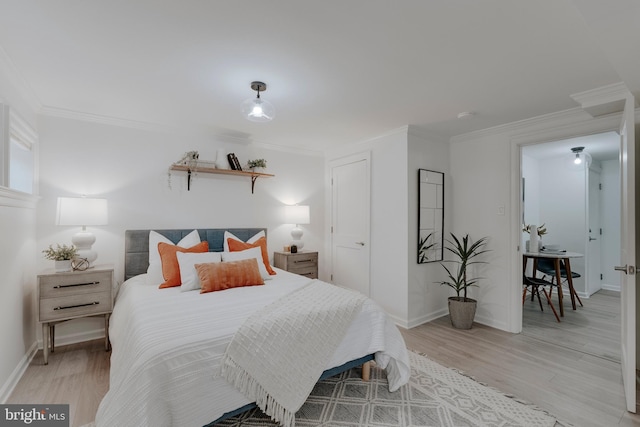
(611, 288)
(67, 339)
(14, 378)
(427, 318)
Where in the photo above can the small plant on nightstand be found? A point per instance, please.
(62, 255)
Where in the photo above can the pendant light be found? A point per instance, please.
(257, 109)
(578, 159)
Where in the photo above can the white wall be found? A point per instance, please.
(404, 289)
(481, 206)
(487, 163)
(128, 166)
(563, 208)
(389, 217)
(531, 175)
(17, 255)
(426, 298)
(18, 290)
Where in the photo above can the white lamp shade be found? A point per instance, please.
(81, 211)
(297, 214)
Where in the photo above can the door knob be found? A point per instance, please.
(360, 243)
(627, 269)
(592, 238)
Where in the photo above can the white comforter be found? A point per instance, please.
(167, 348)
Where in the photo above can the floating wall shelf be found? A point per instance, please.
(254, 175)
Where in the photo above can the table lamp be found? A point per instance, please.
(297, 214)
(83, 212)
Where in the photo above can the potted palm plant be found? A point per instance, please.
(462, 309)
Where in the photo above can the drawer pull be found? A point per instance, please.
(303, 260)
(75, 284)
(76, 306)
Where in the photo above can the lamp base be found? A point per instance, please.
(296, 235)
(83, 240)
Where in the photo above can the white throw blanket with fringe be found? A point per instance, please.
(279, 353)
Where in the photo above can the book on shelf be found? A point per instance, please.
(234, 163)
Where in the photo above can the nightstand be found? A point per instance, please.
(72, 295)
(304, 263)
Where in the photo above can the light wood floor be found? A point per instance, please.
(570, 369)
(566, 369)
(77, 374)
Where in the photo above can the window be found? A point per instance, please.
(19, 143)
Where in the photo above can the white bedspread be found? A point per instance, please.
(167, 344)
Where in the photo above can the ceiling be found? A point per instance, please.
(337, 71)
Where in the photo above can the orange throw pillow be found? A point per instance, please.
(170, 266)
(236, 246)
(218, 276)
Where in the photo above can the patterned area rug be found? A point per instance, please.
(435, 396)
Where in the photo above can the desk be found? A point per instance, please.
(556, 257)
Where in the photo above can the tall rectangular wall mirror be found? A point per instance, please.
(430, 216)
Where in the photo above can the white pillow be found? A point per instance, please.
(187, 262)
(253, 239)
(248, 254)
(154, 271)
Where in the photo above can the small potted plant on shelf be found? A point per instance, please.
(462, 309)
(257, 165)
(61, 255)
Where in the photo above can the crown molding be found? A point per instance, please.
(522, 126)
(106, 120)
(603, 100)
(218, 134)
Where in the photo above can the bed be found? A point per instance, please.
(167, 345)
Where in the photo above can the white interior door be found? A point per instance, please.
(594, 261)
(350, 206)
(628, 253)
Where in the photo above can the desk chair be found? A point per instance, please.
(545, 266)
(535, 285)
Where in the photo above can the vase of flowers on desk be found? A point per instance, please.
(534, 244)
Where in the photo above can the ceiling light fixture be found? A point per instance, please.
(257, 109)
(580, 158)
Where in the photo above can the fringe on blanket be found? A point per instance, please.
(248, 386)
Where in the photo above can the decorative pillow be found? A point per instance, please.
(251, 253)
(219, 276)
(236, 245)
(154, 271)
(188, 273)
(170, 267)
(228, 236)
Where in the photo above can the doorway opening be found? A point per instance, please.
(579, 206)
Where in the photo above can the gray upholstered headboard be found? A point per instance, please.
(136, 244)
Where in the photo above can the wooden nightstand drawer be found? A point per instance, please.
(311, 272)
(71, 295)
(81, 305)
(303, 263)
(80, 283)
